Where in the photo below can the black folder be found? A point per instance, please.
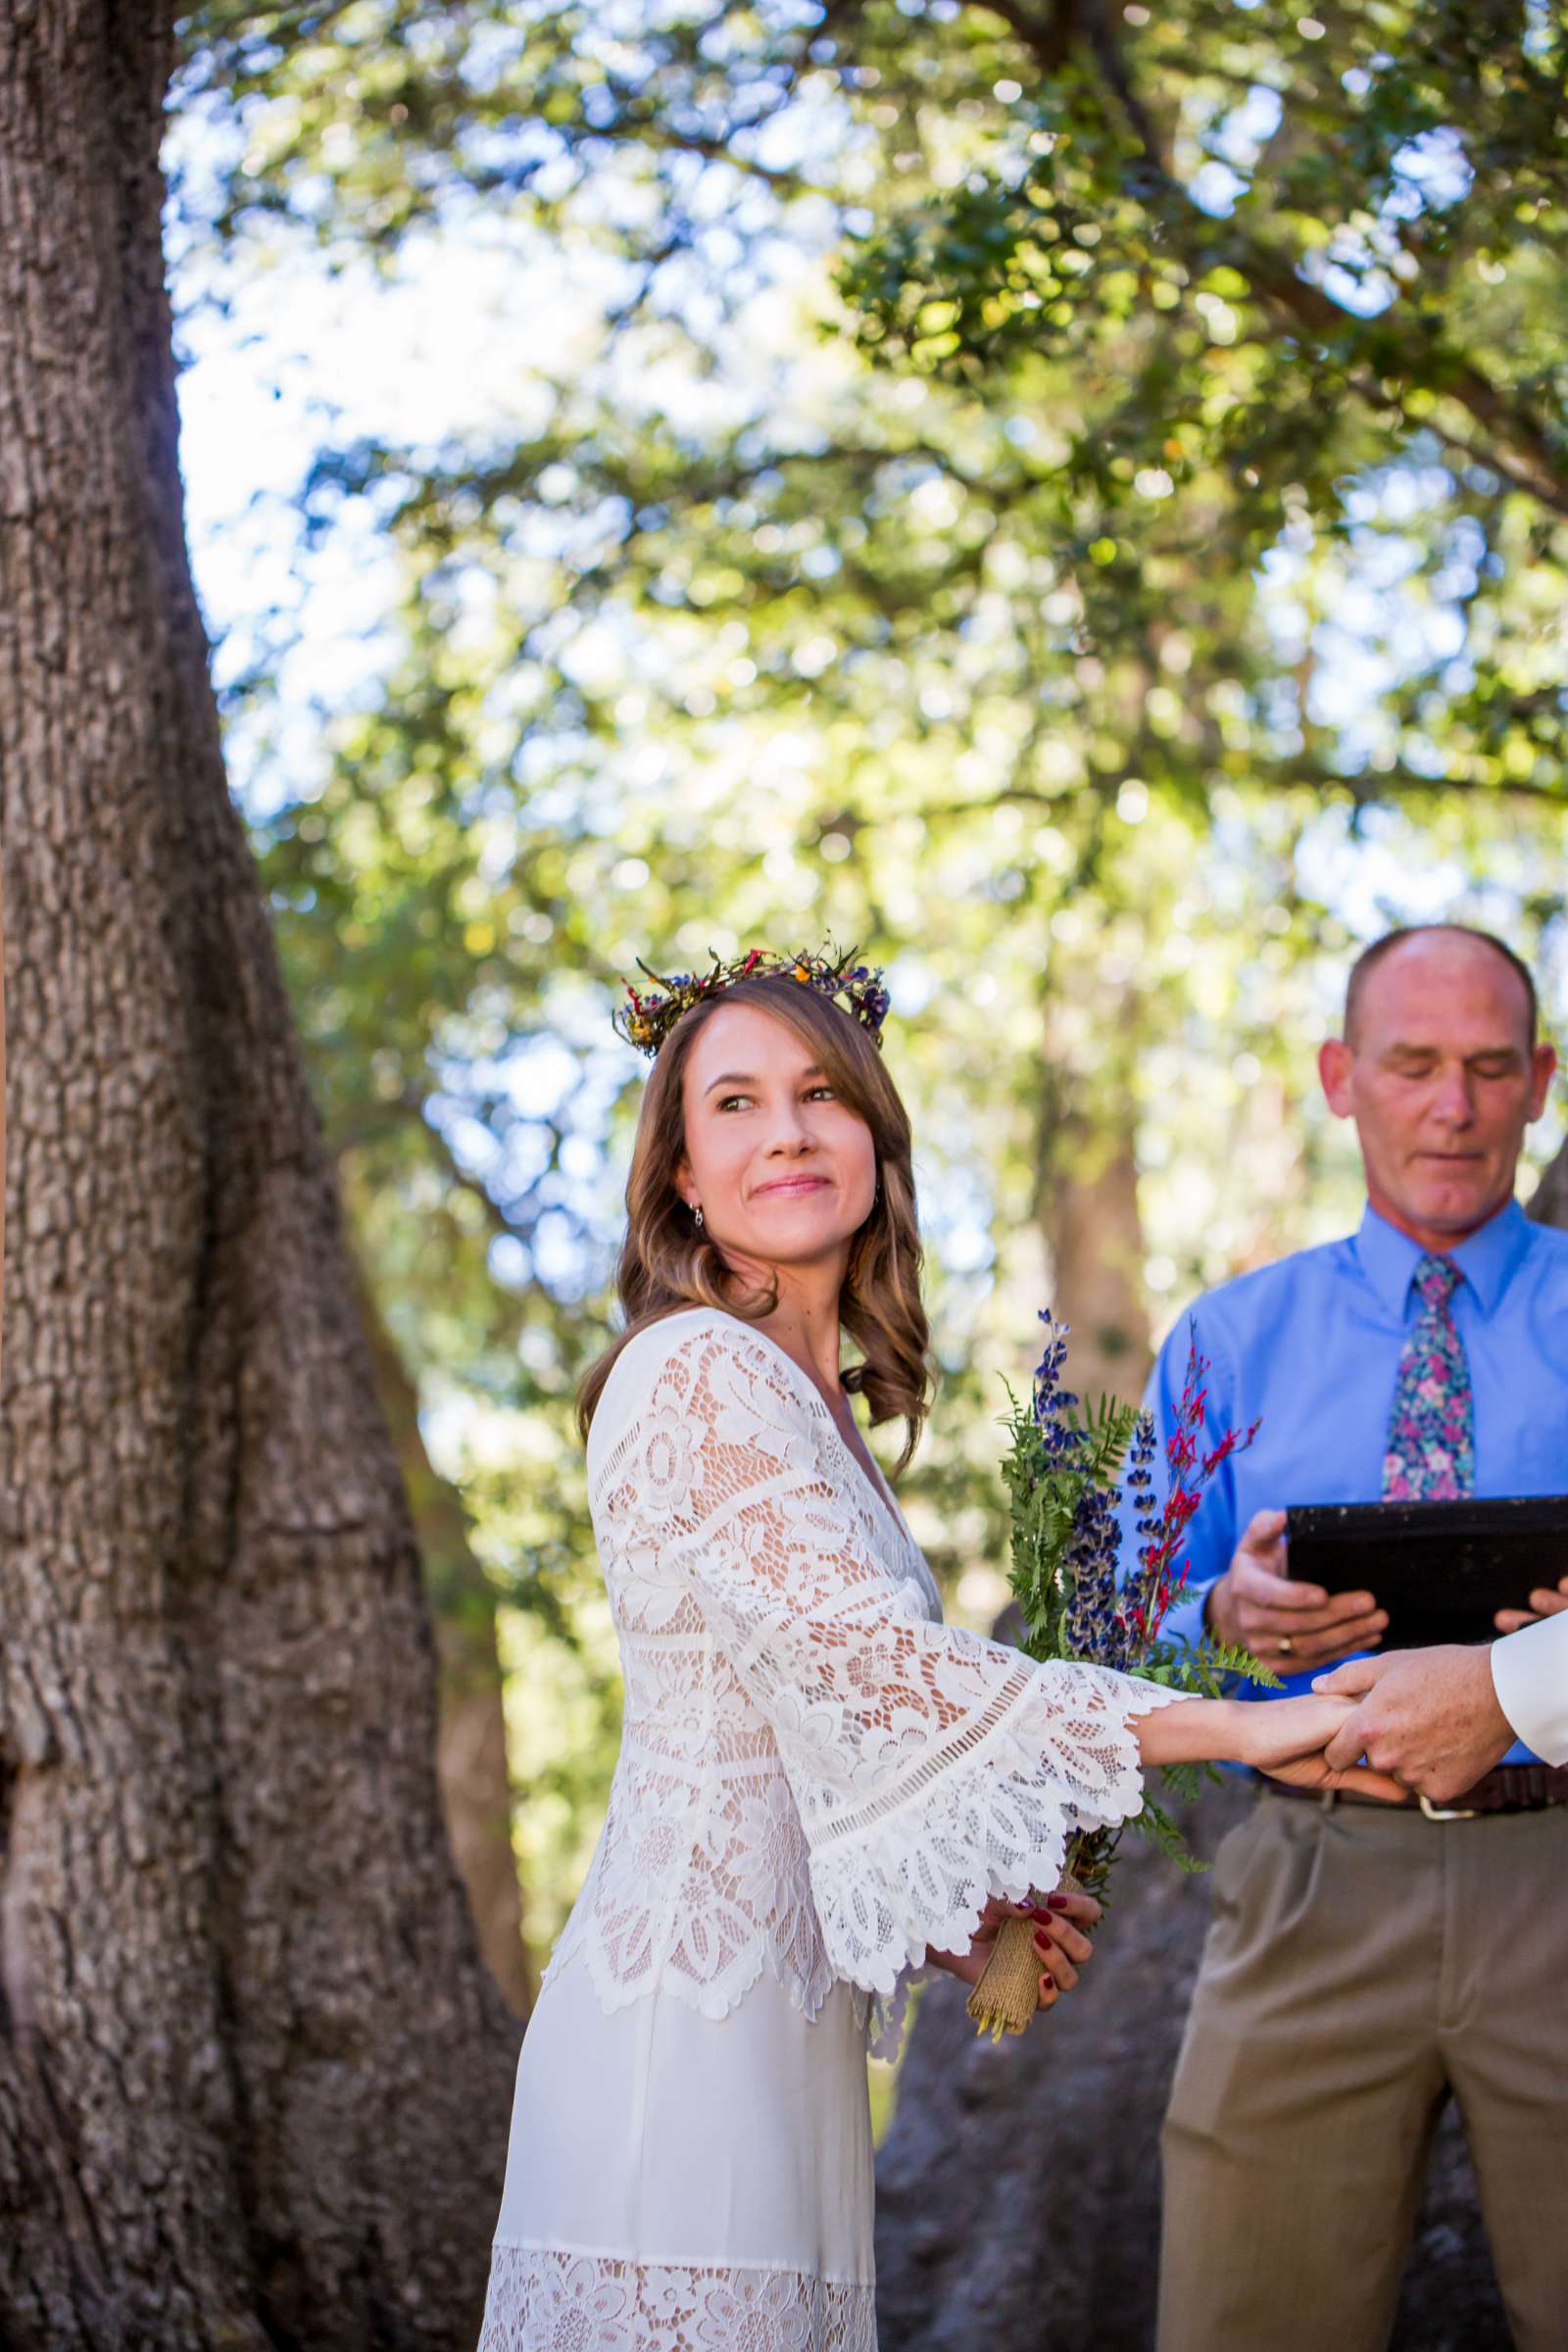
(1440, 1569)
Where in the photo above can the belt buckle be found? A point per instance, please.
(1446, 1812)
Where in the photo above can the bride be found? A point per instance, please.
(821, 1787)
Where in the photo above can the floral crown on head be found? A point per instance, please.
(645, 1021)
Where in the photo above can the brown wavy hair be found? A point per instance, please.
(668, 1265)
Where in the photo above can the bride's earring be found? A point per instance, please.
(696, 1212)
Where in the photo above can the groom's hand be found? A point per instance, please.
(1430, 1717)
(1292, 1741)
(1256, 1606)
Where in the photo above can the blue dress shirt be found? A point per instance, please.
(1310, 1347)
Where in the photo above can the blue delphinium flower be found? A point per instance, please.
(1053, 1405)
(1095, 1627)
(1094, 1624)
(1143, 1586)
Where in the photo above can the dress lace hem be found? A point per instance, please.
(555, 2299)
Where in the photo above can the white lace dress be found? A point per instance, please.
(818, 1780)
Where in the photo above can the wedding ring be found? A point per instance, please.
(1285, 1646)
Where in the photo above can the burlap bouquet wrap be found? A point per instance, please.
(1007, 1995)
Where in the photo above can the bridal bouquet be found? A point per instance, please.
(1064, 1470)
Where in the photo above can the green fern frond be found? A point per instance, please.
(1109, 1425)
(1157, 1825)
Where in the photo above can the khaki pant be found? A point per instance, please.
(1360, 1965)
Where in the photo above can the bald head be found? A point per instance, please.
(1440, 1068)
(1452, 950)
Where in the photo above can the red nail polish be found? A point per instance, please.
(1055, 1902)
(1042, 1939)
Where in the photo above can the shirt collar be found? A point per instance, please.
(1486, 1258)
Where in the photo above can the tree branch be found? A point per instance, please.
(1363, 789)
(1528, 456)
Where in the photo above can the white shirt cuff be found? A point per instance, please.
(1530, 1675)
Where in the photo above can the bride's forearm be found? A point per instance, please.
(1200, 1730)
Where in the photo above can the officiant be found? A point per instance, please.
(1366, 1963)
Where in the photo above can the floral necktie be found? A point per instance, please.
(1432, 1445)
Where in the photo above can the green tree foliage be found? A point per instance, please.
(1243, 283)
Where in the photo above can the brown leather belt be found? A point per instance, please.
(1509, 1789)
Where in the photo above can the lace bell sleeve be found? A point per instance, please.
(931, 1768)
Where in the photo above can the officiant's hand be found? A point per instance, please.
(1543, 1602)
(1288, 1626)
(1060, 1926)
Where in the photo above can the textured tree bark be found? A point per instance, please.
(1087, 1187)
(254, 2080)
(1095, 1239)
(2, 1116)
(1548, 1202)
(1019, 2186)
(472, 1741)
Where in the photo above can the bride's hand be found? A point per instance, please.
(1287, 1741)
(1060, 1924)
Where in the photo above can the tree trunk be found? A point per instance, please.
(1018, 2187)
(1548, 1202)
(254, 2080)
(1086, 1192)
(471, 1741)
(1095, 1236)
